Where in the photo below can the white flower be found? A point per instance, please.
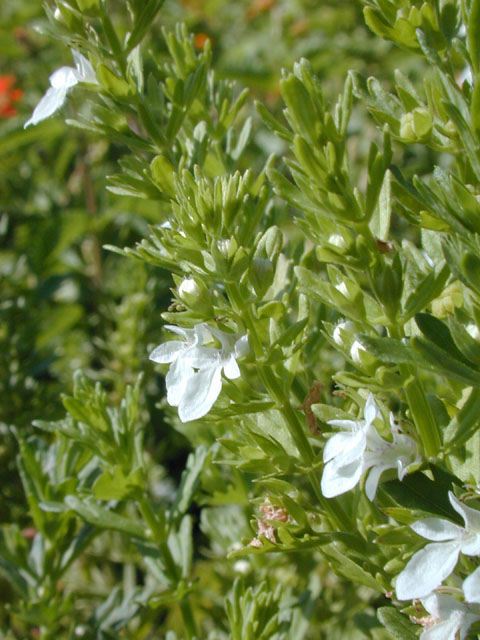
(448, 617)
(61, 81)
(350, 454)
(194, 380)
(343, 453)
(381, 455)
(427, 569)
(471, 586)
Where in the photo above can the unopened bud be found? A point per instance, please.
(194, 295)
(473, 330)
(337, 336)
(337, 241)
(416, 125)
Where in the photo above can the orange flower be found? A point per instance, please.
(259, 6)
(8, 96)
(200, 39)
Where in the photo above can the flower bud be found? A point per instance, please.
(416, 125)
(450, 298)
(473, 330)
(337, 241)
(195, 295)
(362, 358)
(338, 333)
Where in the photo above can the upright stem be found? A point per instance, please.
(336, 514)
(157, 527)
(420, 409)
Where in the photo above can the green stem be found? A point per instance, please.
(336, 514)
(421, 412)
(420, 409)
(188, 619)
(114, 42)
(156, 526)
(158, 530)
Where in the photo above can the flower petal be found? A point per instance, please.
(373, 479)
(444, 630)
(471, 516)
(176, 381)
(437, 529)
(167, 351)
(347, 425)
(230, 368)
(48, 105)
(427, 569)
(347, 444)
(201, 391)
(64, 78)
(85, 71)
(371, 410)
(471, 587)
(242, 348)
(340, 479)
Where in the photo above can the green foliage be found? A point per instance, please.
(326, 215)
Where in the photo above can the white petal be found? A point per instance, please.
(167, 351)
(437, 529)
(85, 72)
(471, 587)
(346, 424)
(444, 630)
(48, 105)
(371, 409)
(231, 369)
(242, 347)
(349, 445)
(176, 381)
(227, 340)
(202, 389)
(64, 78)
(202, 357)
(190, 335)
(373, 479)
(442, 605)
(337, 480)
(471, 545)
(427, 570)
(471, 516)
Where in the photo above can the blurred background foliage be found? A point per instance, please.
(67, 304)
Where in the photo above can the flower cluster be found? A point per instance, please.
(430, 566)
(62, 81)
(8, 96)
(359, 448)
(194, 380)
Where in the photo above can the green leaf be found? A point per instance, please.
(438, 333)
(189, 482)
(103, 518)
(465, 424)
(417, 491)
(473, 29)
(380, 221)
(397, 624)
(426, 291)
(441, 362)
(352, 571)
(143, 22)
(115, 485)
